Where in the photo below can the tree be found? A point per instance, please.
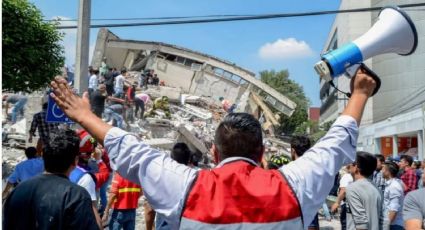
(280, 82)
(32, 54)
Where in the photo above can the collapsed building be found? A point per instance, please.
(193, 72)
(187, 73)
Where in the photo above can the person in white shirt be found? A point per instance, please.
(345, 180)
(119, 83)
(93, 81)
(167, 184)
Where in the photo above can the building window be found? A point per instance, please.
(180, 60)
(242, 82)
(333, 44)
(236, 78)
(227, 75)
(218, 71)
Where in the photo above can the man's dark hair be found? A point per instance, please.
(380, 157)
(407, 158)
(44, 106)
(123, 70)
(239, 134)
(300, 144)
(60, 151)
(31, 152)
(181, 153)
(366, 163)
(392, 168)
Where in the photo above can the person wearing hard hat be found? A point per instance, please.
(83, 174)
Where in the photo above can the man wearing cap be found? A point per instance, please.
(82, 174)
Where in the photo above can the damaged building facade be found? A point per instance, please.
(193, 73)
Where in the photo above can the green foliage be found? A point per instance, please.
(280, 82)
(32, 54)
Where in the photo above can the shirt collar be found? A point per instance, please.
(232, 159)
(389, 181)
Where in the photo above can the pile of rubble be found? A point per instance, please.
(193, 121)
(14, 135)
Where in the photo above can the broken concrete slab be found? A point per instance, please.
(192, 110)
(193, 140)
(163, 143)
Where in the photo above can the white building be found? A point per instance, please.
(393, 121)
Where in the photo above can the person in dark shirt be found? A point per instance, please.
(50, 200)
(109, 82)
(98, 100)
(44, 128)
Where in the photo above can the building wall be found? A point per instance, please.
(207, 84)
(346, 28)
(403, 77)
(173, 74)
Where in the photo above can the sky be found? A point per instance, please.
(287, 43)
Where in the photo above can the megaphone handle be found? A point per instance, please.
(373, 75)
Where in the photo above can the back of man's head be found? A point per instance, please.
(61, 151)
(181, 153)
(300, 144)
(239, 135)
(31, 152)
(366, 163)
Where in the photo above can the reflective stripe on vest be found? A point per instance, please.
(293, 224)
(240, 195)
(121, 190)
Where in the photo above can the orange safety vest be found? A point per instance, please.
(127, 193)
(240, 195)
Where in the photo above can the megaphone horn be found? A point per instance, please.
(394, 32)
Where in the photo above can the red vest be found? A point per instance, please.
(240, 195)
(127, 193)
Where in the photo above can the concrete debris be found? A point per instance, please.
(193, 140)
(14, 135)
(161, 143)
(187, 111)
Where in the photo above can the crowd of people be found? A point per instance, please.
(113, 97)
(377, 193)
(65, 185)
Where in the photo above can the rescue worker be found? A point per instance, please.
(277, 161)
(123, 199)
(160, 103)
(83, 174)
(238, 194)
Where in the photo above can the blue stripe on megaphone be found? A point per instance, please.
(342, 58)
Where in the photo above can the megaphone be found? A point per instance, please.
(394, 32)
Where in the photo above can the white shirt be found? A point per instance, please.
(93, 82)
(87, 182)
(166, 183)
(345, 180)
(393, 200)
(119, 82)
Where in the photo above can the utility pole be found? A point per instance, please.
(83, 39)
